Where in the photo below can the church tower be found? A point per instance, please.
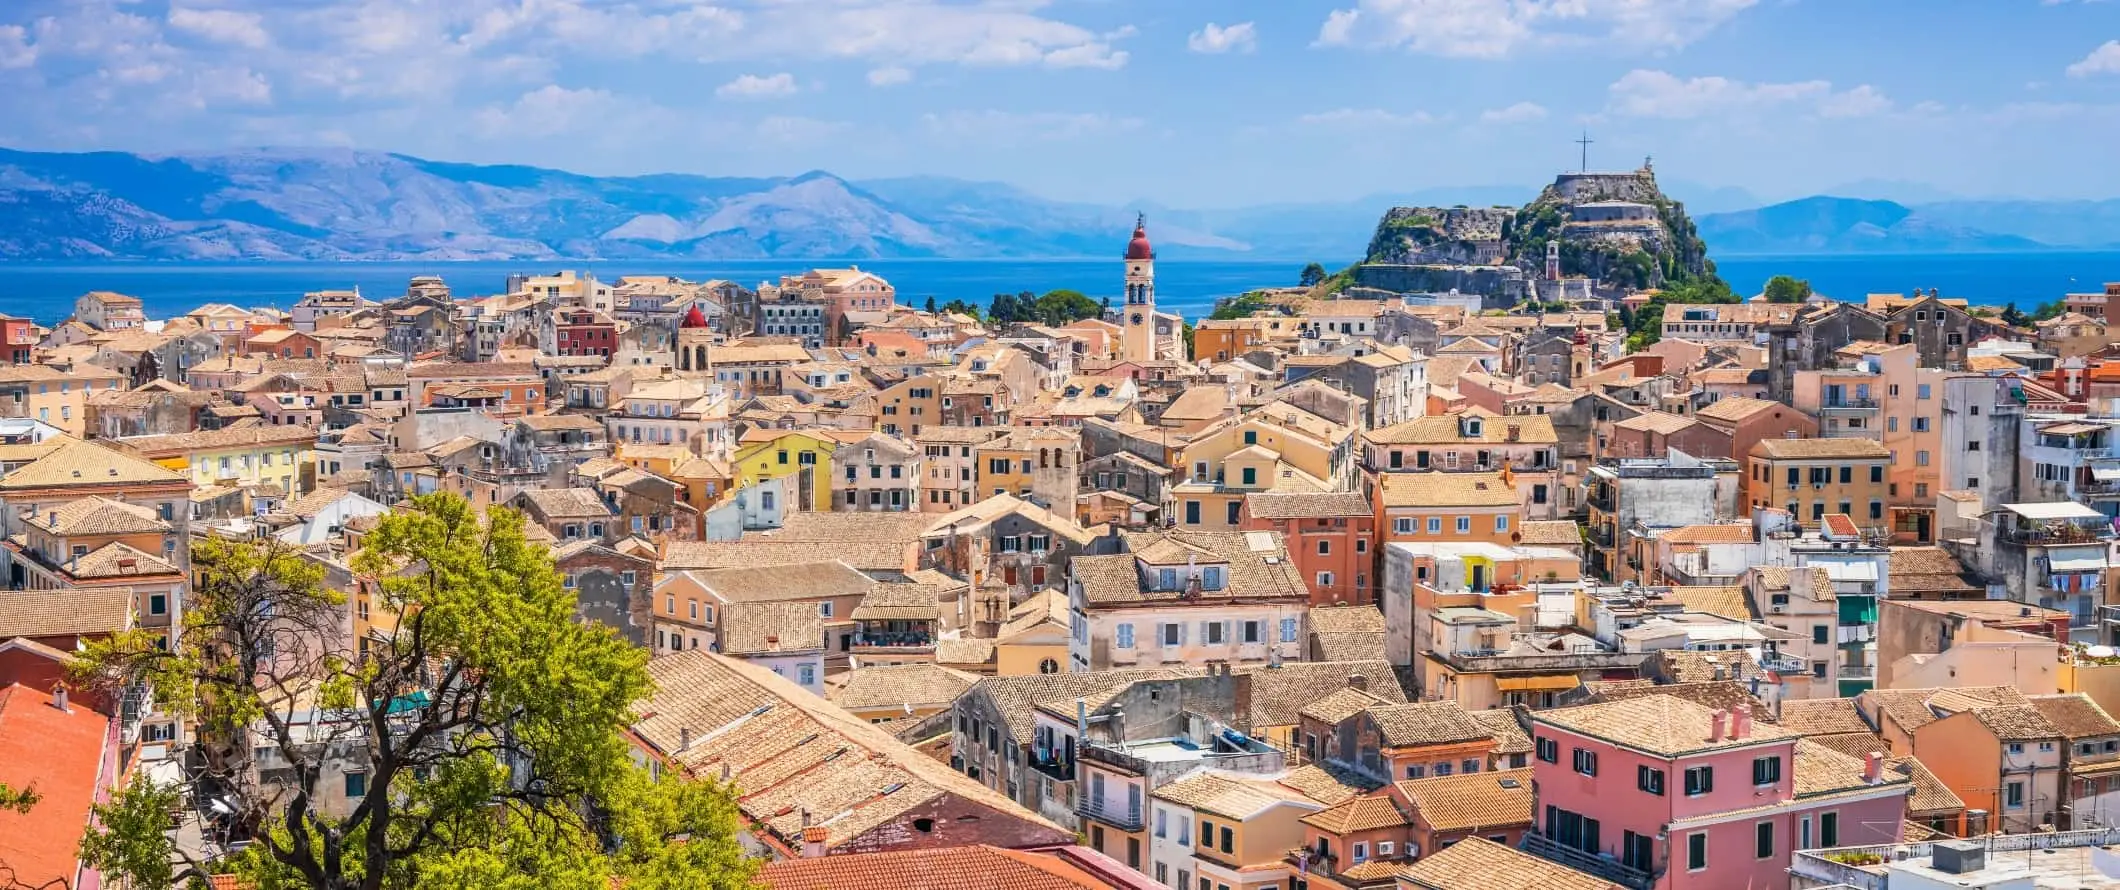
(694, 340)
(1138, 321)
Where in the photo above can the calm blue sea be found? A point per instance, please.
(46, 291)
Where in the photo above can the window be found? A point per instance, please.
(1324, 579)
(2016, 747)
(1549, 750)
(1766, 770)
(1921, 424)
(1877, 473)
(1361, 852)
(1288, 630)
(1464, 525)
(1207, 835)
(2013, 795)
(157, 604)
(806, 674)
(1829, 830)
(1763, 842)
(1435, 525)
(356, 784)
(1402, 526)
(1819, 632)
(1252, 631)
(1171, 634)
(1501, 523)
(1699, 780)
(1443, 769)
(1972, 445)
(1125, 634)
(1636, 851)
(1229, 843)
(1586, 761)
(1649, 779)
(825, 608)
(1416, 770)
(1469, 766)
(1324, 548)
(1213, 632)
(1696, 852)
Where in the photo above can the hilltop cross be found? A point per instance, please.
(1585, 142)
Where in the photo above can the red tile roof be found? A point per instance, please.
(58, 753)
(948, 868)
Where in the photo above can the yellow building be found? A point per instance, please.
(1277, 447)
(1813, 477)
(1034, 641)
(261, 455)
(1454, 508)
(705, 480)
(805, 455)
(52, 396)
(1240, 830)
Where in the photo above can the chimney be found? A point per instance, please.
(59, 697)
(1715, 726)
(684, 738)
(1082, 719)
(1357, 681)
(1740, 722)
(1873, 768)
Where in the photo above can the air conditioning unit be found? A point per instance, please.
(1777, 609)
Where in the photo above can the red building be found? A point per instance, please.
(17, 337)
(585, 332)
(1331, 539)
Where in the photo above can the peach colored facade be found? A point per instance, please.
(1336, 557)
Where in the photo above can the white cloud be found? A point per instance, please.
(1521, 112)
(1491, 29)
(889, 76)
(752, 86)
(797, 130)
(556, 109)
(1659, 94)
(1241, 37)
(1087, 55)
(1363, 117)
(2103, 60)
(998, 126)
(221, 25)
(15, 49)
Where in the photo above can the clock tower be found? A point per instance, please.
(1138, 317)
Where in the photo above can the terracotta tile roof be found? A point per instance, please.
(807, 582)
(98, 516)
(59, 755)
(771, 628)
(1440, 489)
(1477, 863)
(1509, 735)
(965, 652)
(883, 556)
(85, 463)
(1718, 533)
(1471, 801)
(1329, 783)
(567, 503)
(1930, 570)
(1732, 409)
(1912, 709)
(898, 602)
(1347, 619)
(119, 560)
(1551, 532)
(1819, 716)
(1231, 796)
(1820, 770)
(1663, 725)
(76, 612)
(1256, 563)
(1016, 698)
(1929, 795)
(918, 685)
(1340, 705)
(794, 757)
(1278, 693)
(1357, 814)
(1820, 449)
(946, 868)
(1659, 422)
(1679, 666)
(1427, 723)
(2016, 723)
(1853, 744)
(1712, 695)
(1818, 590)
(2076, 716)
(263, 436)
(1728, 602)
(1307, 505)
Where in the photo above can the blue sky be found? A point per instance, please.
(1190, 103)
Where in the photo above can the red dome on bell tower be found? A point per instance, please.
(1138, 249)
(694, 318)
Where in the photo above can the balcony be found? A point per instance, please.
(1125, 817)
(1594, 864)
(1848, 404)
(1857, 671)
(1856, 633)
(1600, 536)
(907, 639)
(1783, 664)
(2055, 533)
(1601, 498)
(1059, 769)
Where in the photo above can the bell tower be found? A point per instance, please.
(694, 342)
(1138, 319)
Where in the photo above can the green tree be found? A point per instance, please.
(1243, 305)
(2049, 310)
(1313, 275)
(1058, 307)
(488, 724)
(2015, 318)
(1784, 289)
(930, 307)
(960, 307)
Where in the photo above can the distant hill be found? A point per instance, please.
(1848, 225)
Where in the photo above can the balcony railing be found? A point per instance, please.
(1858, 672)
(1783, 664)
(2056, 534)
(894, 640)
(1123, 816)
(1595, 864)
(1059, 769)
(1848, 404)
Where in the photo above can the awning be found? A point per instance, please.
(2076, 559)
(1542, 683)
(2105, 474)
(1845, 570)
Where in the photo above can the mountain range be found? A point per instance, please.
(337, 204)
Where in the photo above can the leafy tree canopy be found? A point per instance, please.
(1784, 289)
(488, 723)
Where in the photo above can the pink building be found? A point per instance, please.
(1681, 796)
